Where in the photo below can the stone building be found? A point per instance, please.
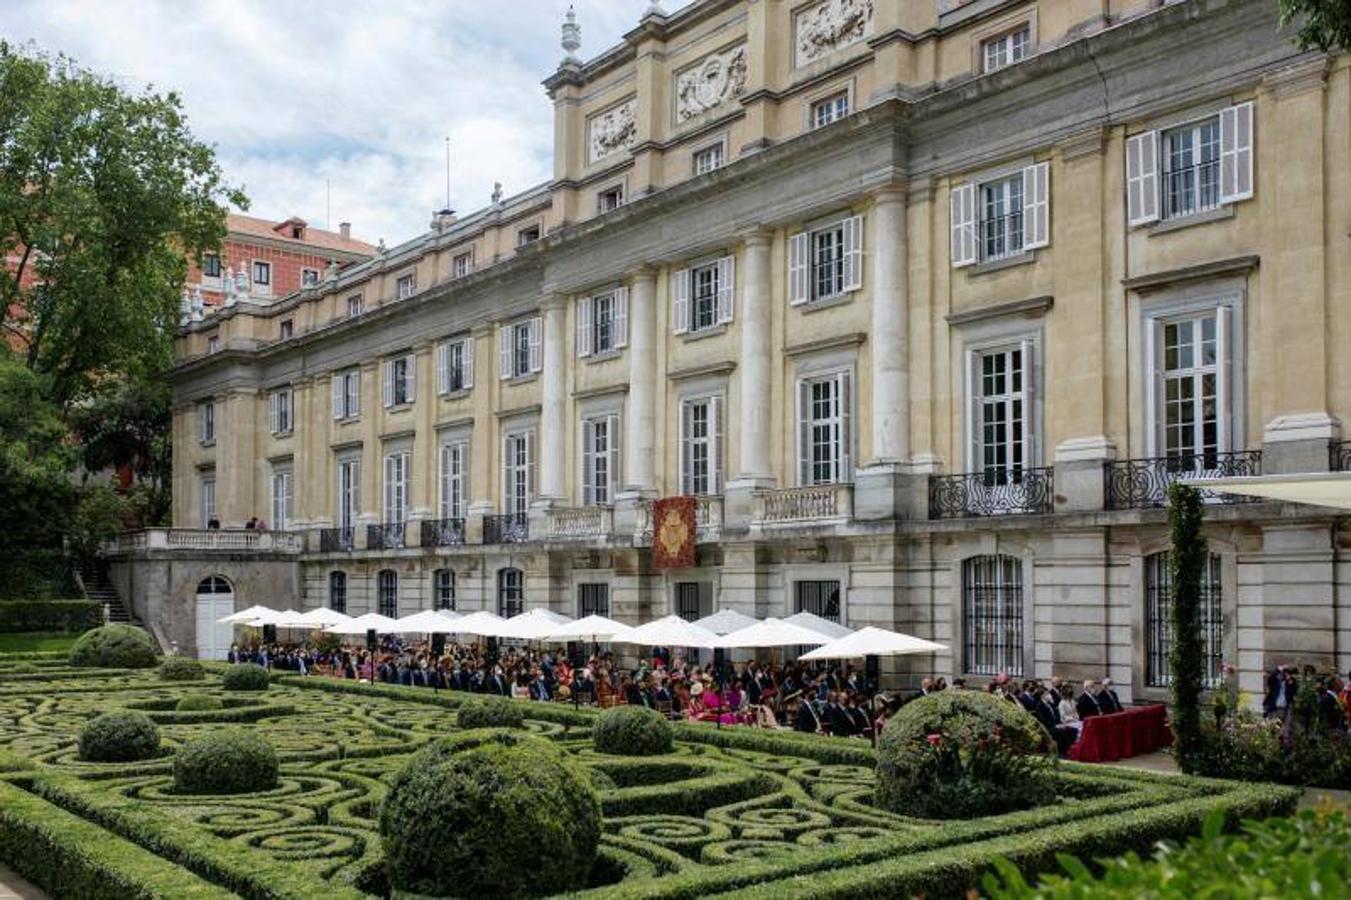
(926, 302)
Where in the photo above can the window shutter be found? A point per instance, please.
(339, 394)
(963, 223)
(467, 363)
(355, 405)
(620, 322)
(612, 446)
(588, 462)
(530, 458)
(799, 271)
(853, 253)
(389, 488)
(684, 463)
(389, 383)
(1037, 206)
(1153, 387)
(1224, 354)
(536, 346)
(973, 461)
(410, 376)
(504, 351)
(715, 424)
(844, 396)
(356, 490)
(804, 421)
(273, 412)
(1236, 153)
(445, 482)
(443, 367)
(680, 304)
(726, 288)
(1029, 401)
(508, 474)
(1142, 178)
(584, 326)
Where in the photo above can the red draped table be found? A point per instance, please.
(1131, 732)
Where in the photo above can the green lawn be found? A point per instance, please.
(35, 643)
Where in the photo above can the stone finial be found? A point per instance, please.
(497, 192)
(230, 286)
(331, 270)
(195, 312)
(241, 291)
(380, 249)
(654, 9)
(572, 36)
(184, 307)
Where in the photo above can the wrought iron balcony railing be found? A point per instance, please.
(1004, 492)
(1143, 483)
(337, 540)
(385, 536)
(512, 528)
(442, 532)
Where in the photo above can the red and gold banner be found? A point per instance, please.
(673, 533)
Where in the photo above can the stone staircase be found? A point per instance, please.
(97, 586)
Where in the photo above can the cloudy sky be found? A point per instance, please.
(294, 93)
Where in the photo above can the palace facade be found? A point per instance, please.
(925, 302)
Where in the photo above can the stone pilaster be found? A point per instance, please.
(640, 444)
(553, 426)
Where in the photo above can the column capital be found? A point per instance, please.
(645, 272)
(552, 301)
(893, 192)
(756, 236)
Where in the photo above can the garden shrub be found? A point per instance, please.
(489, 712)
(49, 615)
(228, 761)
(181, 668)
(632, 731)
(963, 754)
(115, 646)
(493, 813)
(120, 736)
(198, 703)
(245, 677)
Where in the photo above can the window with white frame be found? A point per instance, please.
(704, 295)
(398, 476)
(206, 422)
(405, 286)
(455, 365)
(1000, 393)
(282, 489)
(454, 472)
(212, 343)
(286, 329)
(1191, 168)
(353, 306)
(600, 459)
(825, 262)
(1006, 49)
(462, 264)
(610, 199)
(1190, 401)
(400, 382)
(708, 159)
(518, 471)
(830, 109)
(281, 407)
(309, 277)
(208, 489)
(527, 235)
(701, 430)
(349, 493)
(1000, 217)
(520, 352)
(262, 273)
(603, 322)
(347, 394)
(824, 433)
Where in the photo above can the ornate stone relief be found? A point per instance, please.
(612, 130)
(716, 79)
(831, 25)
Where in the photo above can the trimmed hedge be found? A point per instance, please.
(245, 677)
(490, 712)
(181, 668)
(229, 761)
(116, 646)
(493, 813)
(198, 703)
(123, 735)
(49, 615)
(633, 731)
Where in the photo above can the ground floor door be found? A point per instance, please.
(215, 600)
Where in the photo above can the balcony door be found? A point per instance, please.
(1191, 416)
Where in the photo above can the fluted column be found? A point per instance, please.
(641, 441)
(889, 331)
(553, 426)
(756, 322)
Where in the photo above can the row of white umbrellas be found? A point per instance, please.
(725, 629)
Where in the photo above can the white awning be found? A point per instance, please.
(482, 624)
(245, 615)
(872, 641)
(362, 624)
(533, 624)
(772, 633)
(669, 631)
(590, 628)
(429, 621)
(1316, 489)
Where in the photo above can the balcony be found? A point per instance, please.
(707, 519)
(337, 540)
(816, 504)
(1018, 492)
(385, 536)
(583, 523)
(199, 539)
(442, 532)
(1143, 483)
(512, 528)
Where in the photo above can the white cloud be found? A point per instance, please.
(361, 94)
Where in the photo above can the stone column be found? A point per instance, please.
(483, 438)
(553, 426)
(641, 441)
(754, 469)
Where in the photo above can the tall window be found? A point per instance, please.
(404, 287)
(820, 598)
(397, 477)
(282, 496)
(593, 600)
(825, 436)
(387, 593)
(704, 296)
(454, 466)
(831, 109)
(992, 615)
(1000, 405)
(701, 446)
(262, 274)
(347, 394)
(1159, 619)
(600, 460)
(455, 365)
(1006, 49)
(520, 351)
(443, 589)
(400, 386)
(825, 262)
(211, 265)
(1191, 414)
(1001, 217)
(1191, 168)
(510, 592)
(208, 486)
(206, 422)
(603, 322)
(518, 458)
(337, 591)
(281, 407)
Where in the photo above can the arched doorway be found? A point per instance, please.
(215, 600)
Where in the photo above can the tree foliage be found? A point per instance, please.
(1186, 654)
(1323, 24)
(35, 457)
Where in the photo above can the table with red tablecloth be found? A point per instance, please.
(1131, 732)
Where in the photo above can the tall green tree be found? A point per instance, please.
(1323, 24)
(126, 424)
(104, 194)
(1186, 654)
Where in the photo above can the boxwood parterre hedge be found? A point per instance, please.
(730, 811)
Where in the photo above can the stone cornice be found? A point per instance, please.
(1237, 265)
(719, 368)
(1032, 306)
(852, 339)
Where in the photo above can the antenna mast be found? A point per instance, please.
(447, 171)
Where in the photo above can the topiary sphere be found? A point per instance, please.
(115, 647)
(998, 757)
(245, 677)
(198, 703)
(228, 761)
(181, 668)
(493, 712)
(494, 813)
(632, 731)
(119, 736)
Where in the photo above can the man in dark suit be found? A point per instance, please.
(1088, 705)
(1026, 696)
(835, 719)
(1280, 696)
(1110, 701)
(808, 720)
(1047, 712)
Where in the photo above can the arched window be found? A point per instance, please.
(387, 584)
(337, 591)
(510, 592)
(992, 615)
(443, 589)
(214, 584)
(1159, 619)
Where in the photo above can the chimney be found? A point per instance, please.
(345, 229)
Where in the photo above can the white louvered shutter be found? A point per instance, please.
(1142, 178)
(726, 289)
(354, 402)
(620, 323)
(853, 253)
(274, 412)
(504, 335)
(844, 395)
(467, 363)
(799, 269)
(715, 424)
(1037, 206)
(804, 424)
(1224, 357)
(446, 474)
(584, 308)
(1029, 401)
(410, 376)
(338, 385)
(443, 367)
(973, 417)
(530, 461)
(388, 369)
(1153, 387)
(508, 474)
(1236, 153)
(685, 462)
(536, 344)
(680, 302)
(588, 462)
(963, 222)
(612, 447)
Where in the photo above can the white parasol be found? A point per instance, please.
(872, 641)
(669, 631)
